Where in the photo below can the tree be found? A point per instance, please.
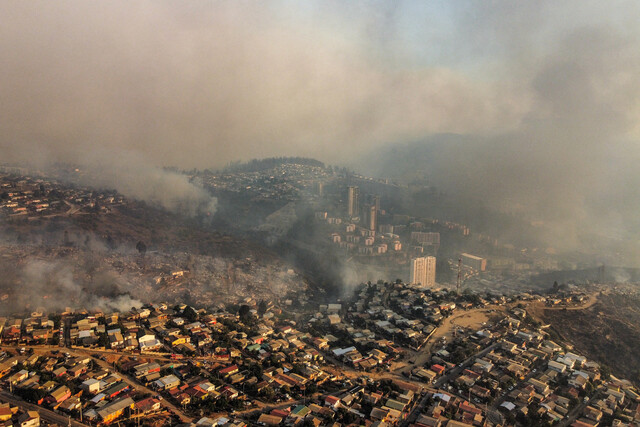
(141, 247)
(347, 417)
(31, 395)
(256, 370)
(111, 244)
(244, 311)
(605, 371)
(589, 388)
(262, 307)
(190, 314)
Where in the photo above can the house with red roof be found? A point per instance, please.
(333, 402)
(230, 370)
(438, 369)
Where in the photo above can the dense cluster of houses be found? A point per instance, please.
(15, 416)
(524, 376)
(255, 365)
(35, 329)
(24, 196)
(282, 182)
(373, 403)
(393, 315)
(67, 384)
(189, 357)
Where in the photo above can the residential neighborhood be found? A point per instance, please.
(392, 354)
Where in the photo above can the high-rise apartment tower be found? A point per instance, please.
(423, 271)
(353, 207)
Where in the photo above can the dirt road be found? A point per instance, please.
(472, 319)
(537, 308)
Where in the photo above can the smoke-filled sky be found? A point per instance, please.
(546, 94)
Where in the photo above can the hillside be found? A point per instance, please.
(608, 332)
(88, 259)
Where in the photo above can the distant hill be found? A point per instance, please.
(432, 169)
(413, 161)
(257, 165)
(93, 259)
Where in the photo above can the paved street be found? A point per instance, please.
(413, 416)
(45, 414)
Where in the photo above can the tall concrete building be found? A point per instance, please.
(376, 203)
(423, 271)
(373, 218)
(353, 207)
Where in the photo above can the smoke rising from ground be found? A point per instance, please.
(53, 285)
(133, 176)
(544, 95)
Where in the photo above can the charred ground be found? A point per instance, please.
(91, 257)
(608, 332)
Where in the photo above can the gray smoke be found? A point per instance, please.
(133, 176)
(208, 83)
(543, 94)
(570, 165)
(55, 285)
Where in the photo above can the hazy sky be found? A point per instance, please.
(203, 83)
(547, 93)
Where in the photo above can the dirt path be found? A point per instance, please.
(473, 319)
(537, 308)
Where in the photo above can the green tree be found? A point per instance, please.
(190, 314)
(244, 311)
(605, 372)
(141, 247)
(262, 307)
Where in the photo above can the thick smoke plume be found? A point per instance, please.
(543, 95)
(203, 84)
(54, 285)
(134, 177)
(569, 165)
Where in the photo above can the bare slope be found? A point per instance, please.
(608, 332)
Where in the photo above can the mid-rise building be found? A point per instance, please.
(475, 262)
(353, 207)
(423, 271)
(373, 218)
(387, 228)
(425, 238)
